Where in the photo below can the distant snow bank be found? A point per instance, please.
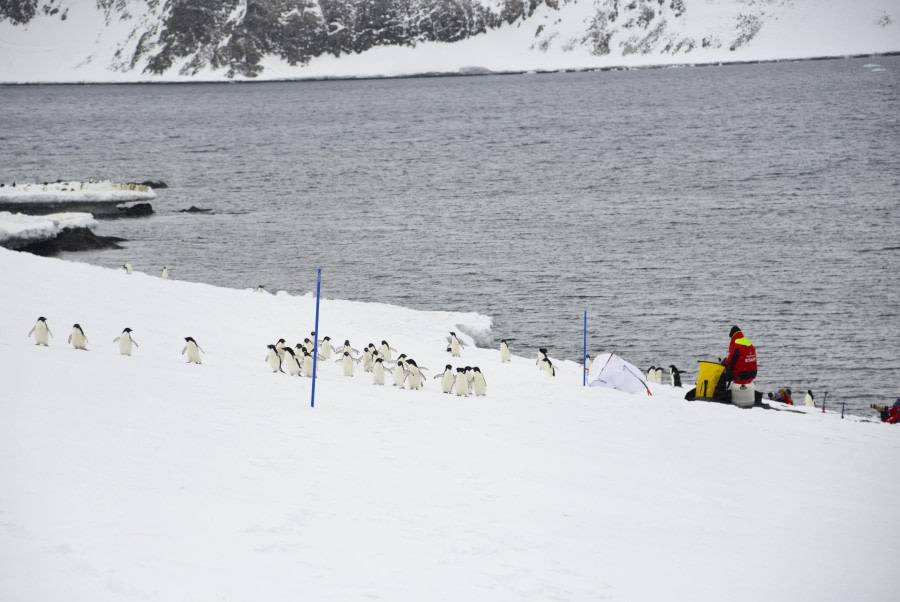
(18, 229)
(104, 190)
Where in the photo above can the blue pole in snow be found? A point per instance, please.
(584, 359)
(842, 410)
(312, 402)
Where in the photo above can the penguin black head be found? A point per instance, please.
(78, 326)
(460, 370)
(384, 342)
(280, 341)
(378, 360)
(468, 368)
(477, 369)
(502, 340)
(190, 339)
(306, 340)
(810, 393)
(326, 338)
(42, 319)
(286, 350)
(347, 342)
(653, 367)
(271, 347)
(448, 367)
(412, 362)
(346, 354)
(402, 356)
(127, 330)
(674, 369)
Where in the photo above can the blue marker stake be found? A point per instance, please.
(584, 359)
(842, 410)
(312, 402)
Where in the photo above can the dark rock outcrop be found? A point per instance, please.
(72, 239)
(194, 209)
(136, 210)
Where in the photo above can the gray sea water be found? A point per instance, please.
(669, 204)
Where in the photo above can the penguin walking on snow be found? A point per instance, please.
(454, 345)
(414, 375)
(165, 273)
(347, 360)
(587, 363)
(479, 385)
(547, 366)
(378, 372)
(273, 359)
(446, 379)
(400, 371)
(541, 356)
(128, 269)
(505, 355)
(308, 366)
(125, 342)
(325, 348)
(810, 399)
(41, 332)
(461, 383)
(77, 338)
(346, 348)
(385, 351)
(651, 374)
(291, 360)
(192, 350)
(676, 375)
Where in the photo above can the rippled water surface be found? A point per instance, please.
(669, 204)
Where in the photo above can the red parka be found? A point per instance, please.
(741, 360)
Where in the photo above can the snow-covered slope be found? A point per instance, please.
(146, 477)
(164, 40)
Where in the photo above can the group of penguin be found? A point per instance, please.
(378, 361)
(126, 343)
(654, 375)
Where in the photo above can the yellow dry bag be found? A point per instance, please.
(707, 379)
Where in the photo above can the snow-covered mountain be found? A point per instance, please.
(157, 40)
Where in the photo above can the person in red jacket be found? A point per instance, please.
(740, 365)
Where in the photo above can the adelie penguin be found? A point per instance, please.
(293, 363)
(505, 355)
(165, 273)
(125, 342)
(273, 359)
(77, 338)
(128, 268)
(325, 348)
(192, 350)
(347, 360)
(541, 356)
(547, 366)
(385, 351)
(676, 375)
(454, 345)
(446, 379)
(479, 385)
(651, 374)
(378, 372)
(414, 375)
(41, 332)
(810, 399)
(461, 383)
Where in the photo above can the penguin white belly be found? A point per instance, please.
(308, 366)
(461, 385)
(293, 364)
(193, 353)
(326, 351)
(415, 378)
(273, 360)
(78, 340)
(447, 382)
(479, 384)
(378, 374)
(399, 376)
(505, 355)
(125, 344)
(41, 334)
(348, 365)
(454, 347)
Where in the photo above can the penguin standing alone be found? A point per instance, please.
(41, 332)
(505, 355)
(77, 338)
(676, 376)
(165, 273)
(125, 342)
(192, 349)
(454, 345)
(547, 366)
(810, 399)
(128, 269)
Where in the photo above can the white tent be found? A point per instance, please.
(611, 371)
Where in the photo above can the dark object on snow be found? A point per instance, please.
(72, 239)
(136, 210)
(153, 184)
(889, 414)
(194, 209)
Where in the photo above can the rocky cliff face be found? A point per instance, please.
(232, 37)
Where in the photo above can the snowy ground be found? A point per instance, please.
(18, 229)
(149, 478)
(102, 190)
